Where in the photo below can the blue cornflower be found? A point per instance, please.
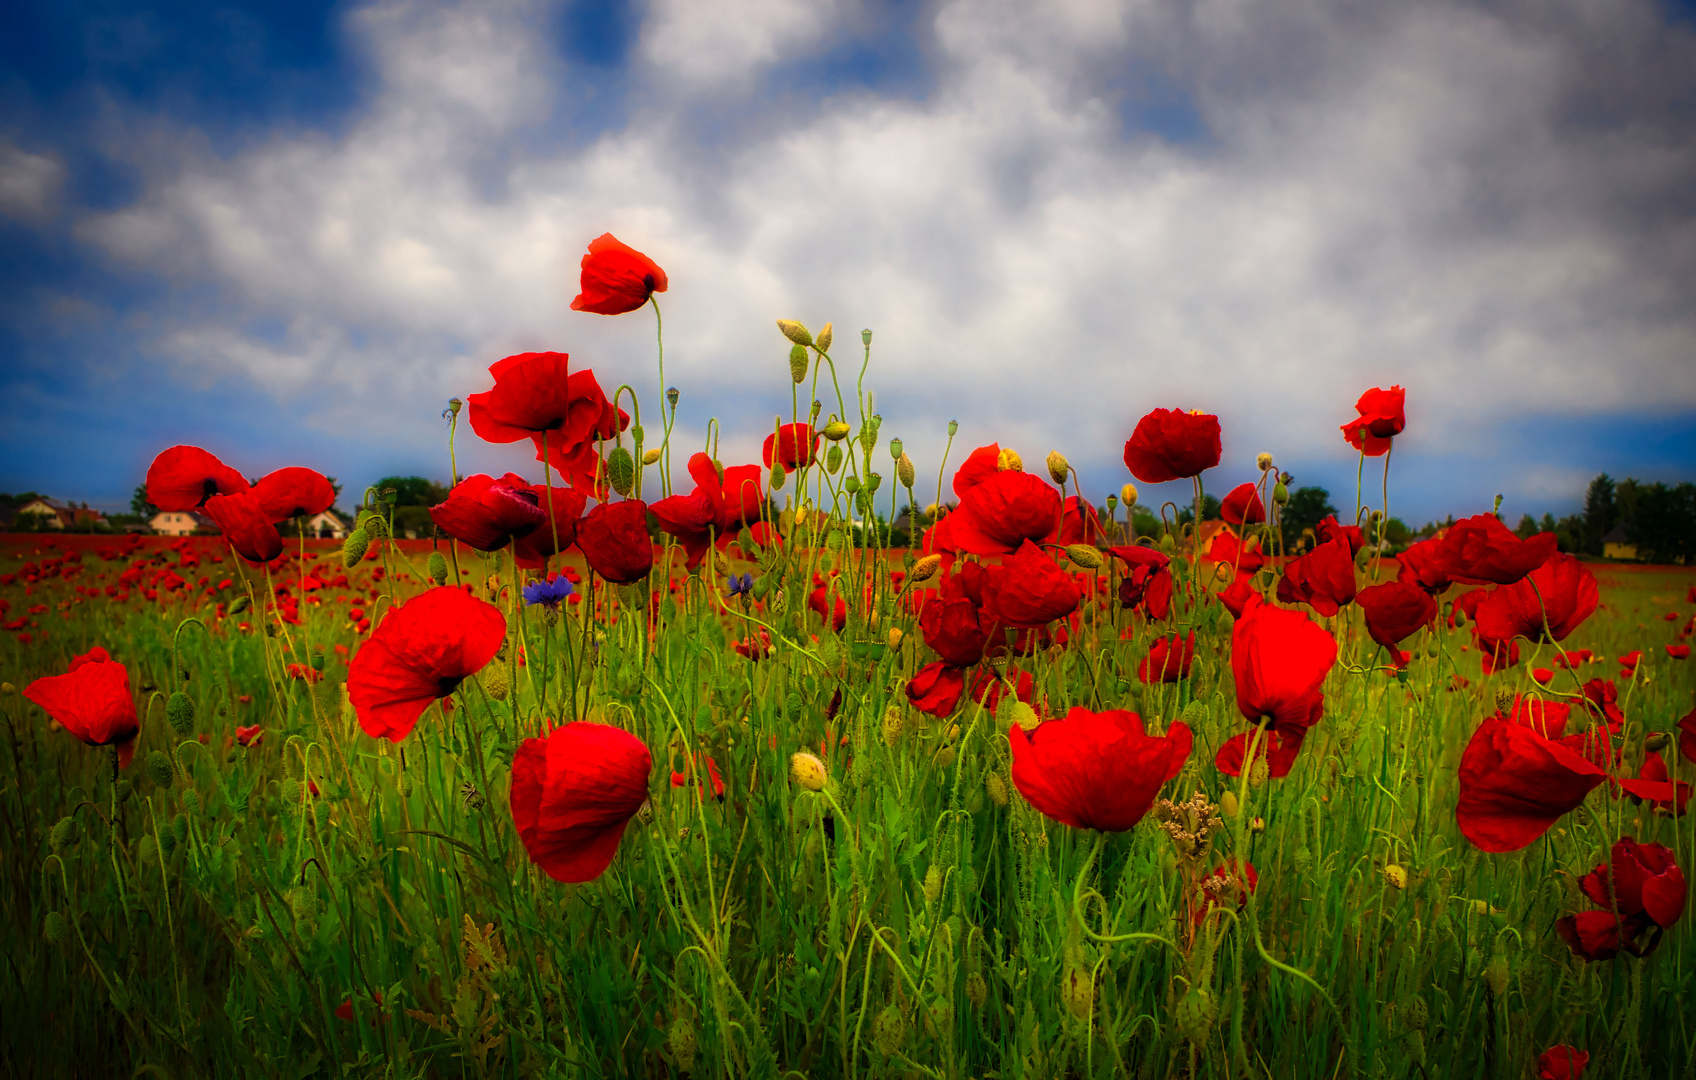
(739, 586)
(551, 593)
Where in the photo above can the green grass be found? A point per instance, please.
(932, 929)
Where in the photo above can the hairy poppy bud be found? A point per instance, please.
(1496, 974)
(1655, 742)
(291, 791)
(680, 1040)
(836, 430)
(495, 681)
(997, 788)
(1058, 467)
(798, 363)
(354, 547)
(1263, 461)
(1128, 495)
(778, 475)
(437, 568)
(1280, 493)
(1085, 556)
(895, 636)
(945, 757)
(933, 884)
(904, 471)
(833, 459)
(1194, 1015)
(1396, 876)
(893, 722)
(977, 991)
(1257, 825)
(795, 332)
(62, 833)
(238, 605)
(159, 768)
(826, 336)
(621, 470)
(1077, 990)
(651, 456)
(8, 689)
(55, 928)
(889, 1031)
(1009, 461)
(924, 569)
(807, 770)
(1228, 803)
(1259, 771)
(179, 710)
(191, 801)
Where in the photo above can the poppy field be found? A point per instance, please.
(661, 765)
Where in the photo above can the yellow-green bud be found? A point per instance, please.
(798, 363)
(159, 768)
(933, 884)
(1228, 804)
(924, 569)
(904, 471)
(1263, 461)
(191, 801)
(795, 332)
(1077, 990)
(437, 568)
(1259, 771)
(807, 770)
(179, 710)
(828, 334)
(997, 789)
(1085, 556)
(1009, 461)
(977, 991)
(1496, 974)
(353, 548)
(179, 828)
(651, 456)
(1280, 493)
(836, 431)
(495, 681)
(621, 470)
(1128, 495)
(1396, 875)
(833, 459)
(889, 1031)
(8, 689)
(1058, 467)
(893, 722)
(238, 605)
(945, 757)
(1194, 1015)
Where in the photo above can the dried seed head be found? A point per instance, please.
(795, 332)
(1058, 467)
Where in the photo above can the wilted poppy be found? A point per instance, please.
(1170, 444)
(420, 652)
(184, 477)
(91, 701)
(1029, 590)
(1096, 770)
(294, 492)
(488, 514)
(793, 444)
(1514, 784)
(1243, 506)
(1643, 885)
(1168, 660)
(1381, 418)
(1395, 611)
(558, 529)
(1001, 512)
(572, 794)
(1423, 565)
(1561, 1063)
(243, 520)
(1480, 551)
(613, 538)
(1147, 581)
(1568, 597)
(616, 278)
(1323, 578)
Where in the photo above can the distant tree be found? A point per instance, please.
(139, 506)
(1527, 526)
(1209, 510)
(1308, 506)
(1569, 533)
(410, 491)
(1600, 512)
(1146, 523)
(1660, 520)
(1397, 532)
(1547, 524)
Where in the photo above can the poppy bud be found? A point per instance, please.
(1077, 991)
(895, 636)
(191, 801)
(238, 605)
(55, 928)
(1257, 825)
(1058, 467)
(889, 1031)
(945, 757)
(1194, 1015)
(671, 396)
(1128, 495)
(1259, 772)
(836, 430)
(807, 770)
(8, 689)
(904, 471)
(621, 470)
(778, 475)
(924, 569)
(1085, 556)
(833, 459)
(495, 681)
(291, 791)
(1009, 461)
(826, 336)
(1280, 493)
(893, 721)
(651, 456)
(437, 568)
(353, 548)
(977, 991)
(179, 829)
(179, 710)
(795, 332)
(680, 1040)
(159, 768)
(798, 363)
(997, 789)
(933, 884)
(1497, 974)
(1396, 876)
(62, 833)
(1655, 742)
(1228, 803)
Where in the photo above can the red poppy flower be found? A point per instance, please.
(956, 626)
(1628, 663)
(1654, 786)
(1601, 699)
(1224, 887)
(1423, 565)
(717, 508)
(1280, 659)
(1236, 596)
(936, 688)
(1243, 506)
(1329, 528)
(819, 601)
(1542, 675)
(1279, 746)
(1678, 652)
(680, 779)
(344, 1011)
(988, 688)
(1323, 578)
(1644, 885)
(91, 701)
(1395, 611)
(613, 538)
(1001, 512)
(184, 477)
(1079, 527)
(489, 514)
(798, 444)
(1687, 736)
(1480, 550)
(616, 278)
(1381, 418)
(1569, 596)
(572, 794)
(1096, 770)
(1514, 784)
(249, 735)
(558, 529)
(294, 492)
(536, 393)
(1147, 581)
(246, 524)
(1170, 444)
(1561, 1063)
(421, 652)
(1244, 559)
(1029, 590)
(1168, 660)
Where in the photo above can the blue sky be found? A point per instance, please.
(289, 232)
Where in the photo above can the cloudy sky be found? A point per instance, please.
(290, 232)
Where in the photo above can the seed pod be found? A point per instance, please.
(63, 832)
(237, 606)
(904, 471)
(795, 332)
(826, 336)
(55, 928)
(354, 547)
(680, 1037)
(179, 710)
(1280, 493)
(997, 789)
(1085, 556)
(889, 1031)
(807, 770)
(159, 768)
(798, 362)
(437, 568)
(852, 484)
(933, 884)
(495, 681)
(1058, 467)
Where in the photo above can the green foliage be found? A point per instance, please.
(1308, 506)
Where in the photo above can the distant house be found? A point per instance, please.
(53, 514)
(1615, 544)
(328, 525)
(180, 523)
(1211, 529)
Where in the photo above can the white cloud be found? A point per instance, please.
(1413, 194)
(29, 183)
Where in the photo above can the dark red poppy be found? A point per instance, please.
(294, 492)
(1170, 444)
(243, 520)
(1381, 418)
(1096, 770)
(1329, 528)
(184, 477)
(936, 688)
(1029, 590)
(1147, 581)
(1653, 785)
(1243, 506)
(1601, 699)
(91, 701)
(1480, 551)
(1080, 527)
(616, 278)
(1001, 512)
(1569, 596)
(1243, 558)
(1561, 1063)
(1514, 784)
(690, 519)
(1396, 611)
(1168, 660)
(1423, 565)
(558, 529)
(956, 627)
(1644, 885)
(1279, 746)
(1678, 652)
(710, 767)
(717, 508)
(1323, 578)
(1279, 659)
(1687, 736)
(487, 513)
(420, 652)
(613, 538)
(1236, 596)
(793, 444)
(573, 792)
(819, 600)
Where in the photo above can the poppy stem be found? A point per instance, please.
(667, 417)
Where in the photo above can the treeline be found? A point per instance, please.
(1658, 519)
